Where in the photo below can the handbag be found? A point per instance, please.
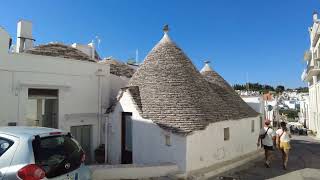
(262, 136)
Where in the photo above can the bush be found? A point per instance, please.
(291, 114)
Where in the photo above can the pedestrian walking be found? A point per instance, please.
(283, 143)
(266, 140)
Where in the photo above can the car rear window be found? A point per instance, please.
(57, 155)
(5, 144)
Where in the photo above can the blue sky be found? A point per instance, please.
(265, 39)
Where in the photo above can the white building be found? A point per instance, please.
(304, 110)
(170, 112)
(257, 103)
(56, 85)
(291, 104)
(312, 75)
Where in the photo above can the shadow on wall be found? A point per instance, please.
(149, 143)
(153, 144)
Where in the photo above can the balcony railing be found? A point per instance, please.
(311, 70)
(315, 33)
(304, 74)
(307, 55)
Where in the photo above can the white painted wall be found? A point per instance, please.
(87, 49)
(314, 108)
(148, 138)
(313, 83)
(312, 115)
(290, 103)
(116, 83)
(76, 81)
(255, 102)
(198, 150)
(132, 171)
(304, 110)
(207, 147)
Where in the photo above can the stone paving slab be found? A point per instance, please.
(304, 158)
(303, 174)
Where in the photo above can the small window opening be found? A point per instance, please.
(252, 126)
(226, 134)
(168, 140)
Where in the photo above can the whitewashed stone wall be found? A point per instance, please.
(148, 139)
(198, 150)
(76, 81)
(207, 147)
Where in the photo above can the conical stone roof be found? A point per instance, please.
(174, 94)
(227, 93)
(213, 77)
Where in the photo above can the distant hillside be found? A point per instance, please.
(266, 88)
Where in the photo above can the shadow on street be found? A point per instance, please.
(305, 153)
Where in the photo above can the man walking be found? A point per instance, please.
(267, 137)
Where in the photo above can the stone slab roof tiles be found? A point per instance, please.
(176, 96)
(118, 68)
(59, 50)
(240, 109)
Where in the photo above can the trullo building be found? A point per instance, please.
(170, 112)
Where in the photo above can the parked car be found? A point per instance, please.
(34, 153)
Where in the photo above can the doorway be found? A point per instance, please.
(83, 135)
(42, 108)
(126, 138)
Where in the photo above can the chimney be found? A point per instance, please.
(315, 16)
(93, 49)
(24, 36)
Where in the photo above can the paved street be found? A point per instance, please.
(304, 163)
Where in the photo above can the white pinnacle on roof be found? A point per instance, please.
(165, 38)
(206, 67)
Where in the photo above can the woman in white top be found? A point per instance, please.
(283, 143)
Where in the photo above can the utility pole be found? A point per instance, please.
(247, 80)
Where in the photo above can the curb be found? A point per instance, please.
(314, 137)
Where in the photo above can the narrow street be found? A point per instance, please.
(304, 163)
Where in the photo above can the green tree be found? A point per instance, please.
(131, 61)
(280, 89)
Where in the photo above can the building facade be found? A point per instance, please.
(304, 110)
(170, 112)
(311, 75)
(56, 85)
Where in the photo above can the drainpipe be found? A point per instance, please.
(106, 140)
(100, 74)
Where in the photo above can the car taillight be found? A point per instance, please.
(31, 172)
(83, 157)
(55, 133)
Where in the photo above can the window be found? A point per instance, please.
(42, 107)
(52, 152)
(168, 140)
(5, 144)
(252, 126)
(226, 134)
